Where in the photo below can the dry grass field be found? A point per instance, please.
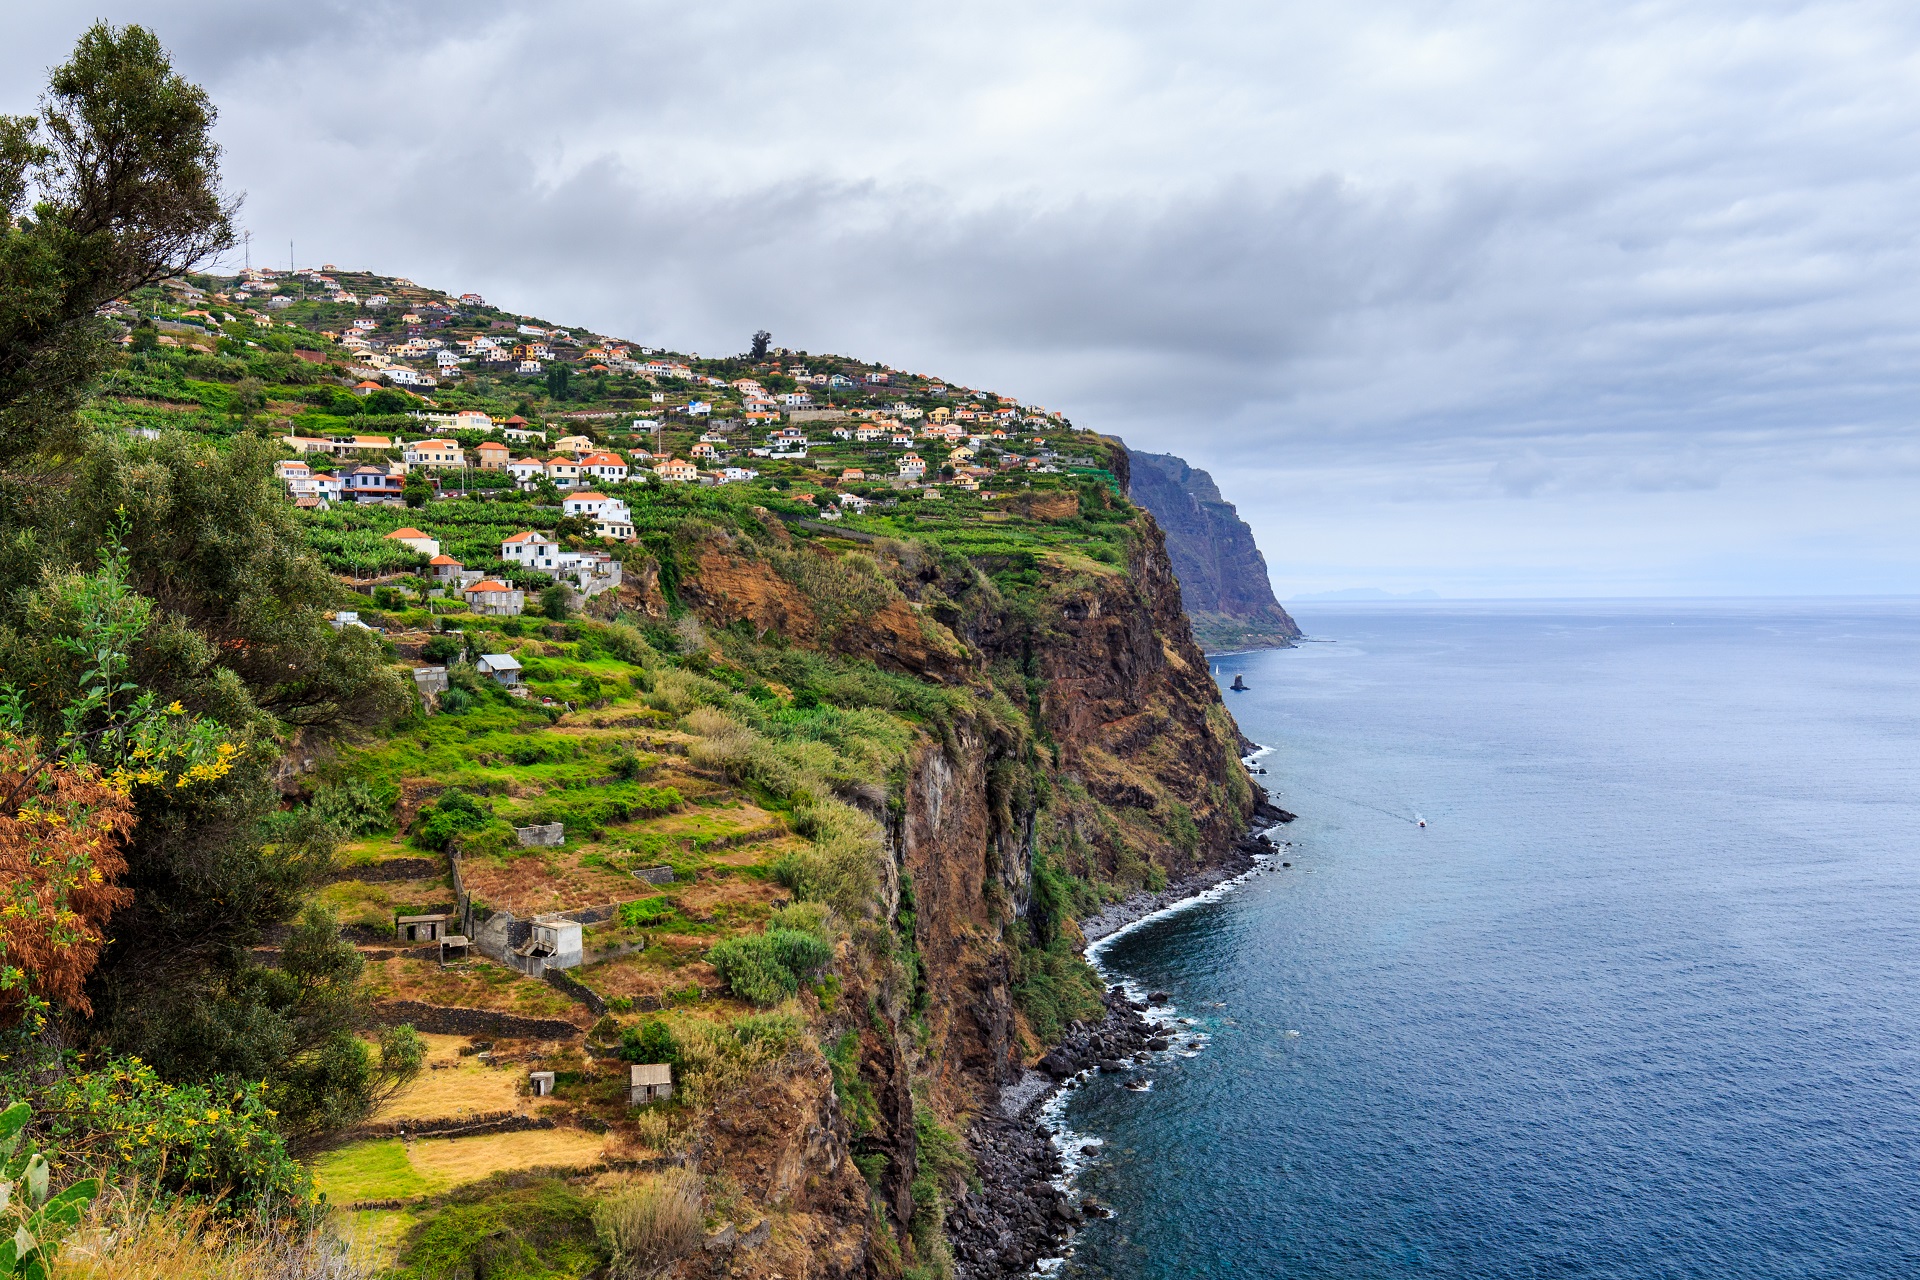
(452, 1087)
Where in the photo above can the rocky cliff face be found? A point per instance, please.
(1094, 742)
(1223, 576)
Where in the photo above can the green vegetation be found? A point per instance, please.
(770, 967)
(543, 1231)
(795, 671)
(377, 1170)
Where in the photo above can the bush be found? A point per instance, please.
(651, 1041)
(645, 912)
(803, 954)
(214, 1142)
(442, 649)
(646, 1227)
(354, 807)
(453, 814)
(752, 970)
(554, 602)
(768, 968)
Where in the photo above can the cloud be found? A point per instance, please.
(1471, 257)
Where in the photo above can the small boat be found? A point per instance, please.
(1239, 684)
(1419, 821)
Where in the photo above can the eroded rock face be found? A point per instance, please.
(1223, 576)
(784, 1143)
(1129, 716)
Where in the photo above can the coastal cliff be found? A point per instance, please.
(1095, 762)
(1223, 576)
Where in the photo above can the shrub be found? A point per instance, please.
(453, 814)
(442, 649)
(802, 953)
(648, 1226)
(354, 807)
(857, 1102)
(213, 1142)
(768, 968)
(645, 912)
(651, 1041)
(752, 970)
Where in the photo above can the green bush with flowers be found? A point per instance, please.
(213, 1143)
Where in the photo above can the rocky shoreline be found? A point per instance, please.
(1019, 1216)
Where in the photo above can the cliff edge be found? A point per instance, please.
(1223, 576)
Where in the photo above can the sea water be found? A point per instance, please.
(1642, 1000)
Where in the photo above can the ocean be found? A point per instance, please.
(1642, 1000)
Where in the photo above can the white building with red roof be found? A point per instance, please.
(532, 550)
(425, 543)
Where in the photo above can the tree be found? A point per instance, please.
(388, 400)
(125, 185)
(248, 397)
(61, 830)
(559, 376)
(761, 338)
(416, 491)
(555, 602)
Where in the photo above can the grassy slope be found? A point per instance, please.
(655, 744)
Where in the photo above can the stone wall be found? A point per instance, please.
(444, 1020)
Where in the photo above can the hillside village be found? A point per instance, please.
(406, 397)
(684, 637)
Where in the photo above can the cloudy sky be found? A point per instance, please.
(1493, 297)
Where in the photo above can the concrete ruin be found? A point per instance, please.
(552, 833)
(427, 928)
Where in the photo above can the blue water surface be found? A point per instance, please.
(1643, 1000)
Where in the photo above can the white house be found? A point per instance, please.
(610, 516)
(533, 550)
(604, 466)
(435, 454)
(526, 471)
(912, 464)
(409, 536)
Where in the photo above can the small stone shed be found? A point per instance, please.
(650, 1082)
(428, 928)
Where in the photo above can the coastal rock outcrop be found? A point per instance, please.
(1223, 576)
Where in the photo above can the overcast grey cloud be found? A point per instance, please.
(1492, 297)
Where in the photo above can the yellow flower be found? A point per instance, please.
(175, 709)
